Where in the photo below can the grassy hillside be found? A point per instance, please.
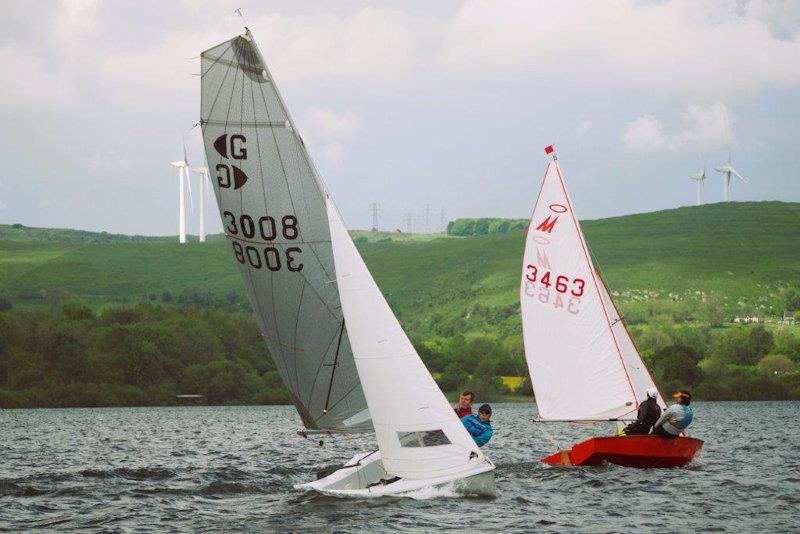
(68, 341)
(744, 251)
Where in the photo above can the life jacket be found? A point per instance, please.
(686, 420)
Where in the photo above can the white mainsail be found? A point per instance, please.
(418, 433)
(582, 361)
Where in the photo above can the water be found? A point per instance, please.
(223, 469)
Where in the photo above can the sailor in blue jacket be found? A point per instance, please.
(480, 427)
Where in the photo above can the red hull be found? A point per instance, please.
(629, 451)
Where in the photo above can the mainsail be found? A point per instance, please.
(583, 363)
(418, 433)
(274, 213)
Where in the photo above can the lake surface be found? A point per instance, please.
(223, 469)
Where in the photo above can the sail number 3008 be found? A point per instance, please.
(267, 229)
(561, 281)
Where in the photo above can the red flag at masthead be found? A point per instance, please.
(548, 149)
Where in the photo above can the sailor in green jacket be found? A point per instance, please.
(677, 418)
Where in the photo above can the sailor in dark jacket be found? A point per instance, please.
(649, 412)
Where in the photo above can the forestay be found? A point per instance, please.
(582, 361)
(273, 210)
(418, 433)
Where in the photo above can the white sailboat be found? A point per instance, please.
(421, 441)
(583, 363)
(339, 348)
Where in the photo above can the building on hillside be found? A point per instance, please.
(788, 317)
(749, 318)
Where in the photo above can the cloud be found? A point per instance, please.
(782, 16)
(332, 153)
(701, 126)
(680, 47)
(372, 46)
(329, 124)
(645, 133)
(698, 51)
(34, 83)
(76, 19)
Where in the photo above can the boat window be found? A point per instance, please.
(425, 438)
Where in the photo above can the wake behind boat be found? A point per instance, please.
(340, 350)
(583, 363)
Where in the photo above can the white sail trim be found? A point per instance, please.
(418, 433)
(575, 360)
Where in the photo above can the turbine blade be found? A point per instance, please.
(742, 178)
(191, 199)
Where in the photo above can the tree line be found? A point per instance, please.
(146, 353)
(137, 355)
(485, 226)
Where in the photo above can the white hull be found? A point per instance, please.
(361, 477)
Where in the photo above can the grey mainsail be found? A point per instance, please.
(273, 209)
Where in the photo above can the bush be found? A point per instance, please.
(743, 345)
(525, 387)
(776, 364)
(676, 367)
(76, 312)
(132, 356)
(453, 378)
(712, 310)
(220, 381)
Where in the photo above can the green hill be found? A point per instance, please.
(79, 333)
(743, 251)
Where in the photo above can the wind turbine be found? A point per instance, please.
(203, 172)
(727, 170)
(699, 178)
(183, 168)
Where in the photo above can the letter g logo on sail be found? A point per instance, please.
(231, 147)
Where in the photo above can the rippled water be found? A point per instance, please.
(232, 468)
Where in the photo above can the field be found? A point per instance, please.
(745, 252)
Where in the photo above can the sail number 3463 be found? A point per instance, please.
(562, 283)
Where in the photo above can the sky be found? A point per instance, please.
(445, 104)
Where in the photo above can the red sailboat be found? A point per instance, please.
(583, 363)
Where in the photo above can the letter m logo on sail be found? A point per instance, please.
(547, 224)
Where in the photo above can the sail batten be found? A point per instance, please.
(273, 211)
(583, 364)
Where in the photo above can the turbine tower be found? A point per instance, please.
(203, 173)
(183, 168)
(727, 170)
(699, 178)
